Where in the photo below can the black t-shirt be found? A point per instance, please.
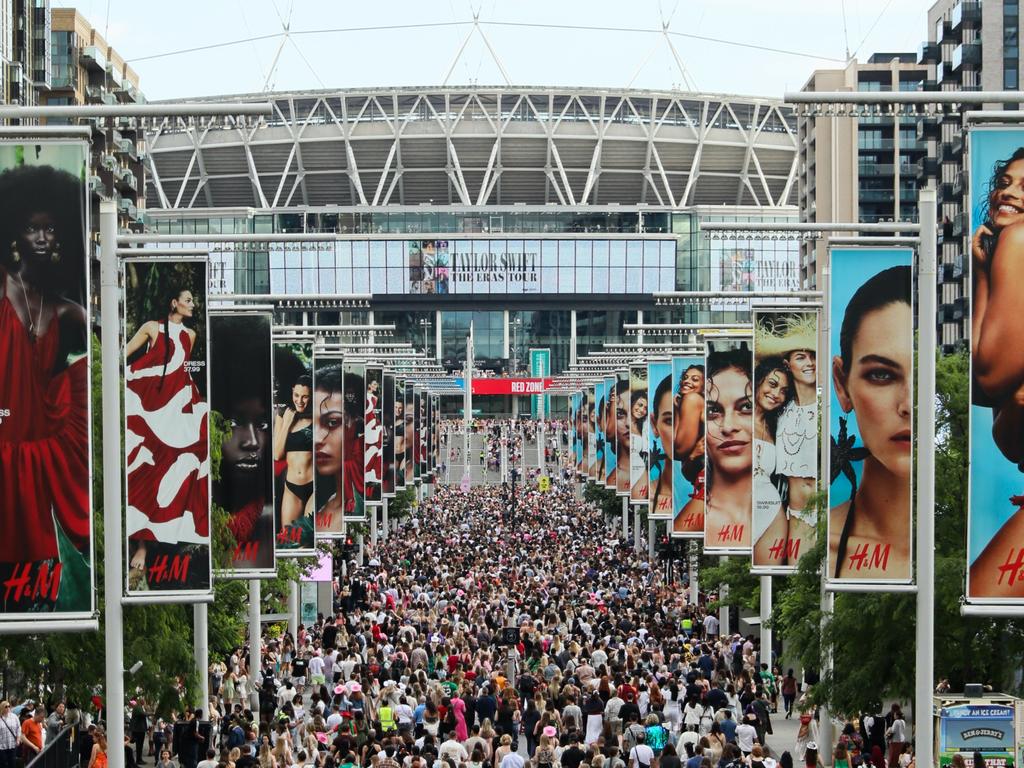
(329, 636)
(572, 757)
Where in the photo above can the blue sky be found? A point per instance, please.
(314, 58)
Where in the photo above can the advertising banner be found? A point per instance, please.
(354, 441)
(167, 440)
(592, 435)
(785, 436)
(426, 436)
(422, 429)
(373, 430)
(620, 424)
(436, 434)
(871, 346)
(410, 434)
(965, 729)
(329, 421)
(745, 265)
(639, 434)
(387, 412)
(995, 520)
(540, 367)
(608, 430)
(728, 427)
(659, 467)
(241, 374)
(293, 448)
(687, 449)
(399, 417)
(46, 537)
(575, 401)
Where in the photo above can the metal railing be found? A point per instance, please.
(59, 752)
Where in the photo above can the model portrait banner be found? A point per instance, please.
(46, 533)
(590, 418)
(659, 446)
(373, 432)
(608, 427)
(995, 518)
(620, 427)
(387, 414)
(871, 355)
(687, 449)
(728, 449)
(354, 440)
(293, 448)
(422, 423)
(329, 428)
(785, 437)
(580, 426)
(410, 434)
(241, 376)
(639, 434)
(167, 440)
(399, 417)
(435, 410)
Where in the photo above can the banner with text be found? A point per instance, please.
(728, 425)
(46, 545)
(241, 362)
(687, 447)
(639, 434)
(167, 440)
(659, 467)
(871, 346)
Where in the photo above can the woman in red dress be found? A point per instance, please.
(44, 392)
(166, 443)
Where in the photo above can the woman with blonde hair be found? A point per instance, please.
(266, 757)
(503, 749)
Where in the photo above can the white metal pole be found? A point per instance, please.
(692, 557)
(113, 544)
(651, 534)
(294, 614)
(924, 687)
(200, 621)
(255, 646)
(766, 612)
(625, 519)
(827, 598)
(361, 554)
(638, 536)
(723, 610)
(385, 532)
(373, 526)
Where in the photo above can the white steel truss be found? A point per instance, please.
(481, 146)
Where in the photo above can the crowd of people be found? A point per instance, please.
(478, 638)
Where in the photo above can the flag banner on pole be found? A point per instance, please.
(416, 449)
(329, 421)
(659, 466)
(590, 420)
(623, 442)
(293, 448)
(399, 439)
(422, 431)
(436, 432)
(354, 442)
(687, 450)
(639, 433)
(242, 383)
(871, 348)
(373, 431)
(995, 517)
(387, 415)
(579, 427)
(46, 550)
(167, 439)
(786, 447)
(608, 430)
(728, 428)
(410, 434)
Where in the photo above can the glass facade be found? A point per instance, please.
(488, 339)
(544, 329)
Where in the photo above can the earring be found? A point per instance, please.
(55, 256)
(15, 256)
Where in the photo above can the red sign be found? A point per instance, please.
(510, 386)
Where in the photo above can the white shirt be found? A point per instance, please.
(512, 760)
(899, 730)
(745, 735)
(641, 753)
(316, 666)
(455, 750)
(711, 624)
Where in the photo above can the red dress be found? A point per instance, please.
(44, 444)
(166, 445)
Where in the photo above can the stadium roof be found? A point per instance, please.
(481, 146)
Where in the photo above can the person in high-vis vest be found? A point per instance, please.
(688, 626)
(387, 719)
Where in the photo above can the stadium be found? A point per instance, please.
(546, 217)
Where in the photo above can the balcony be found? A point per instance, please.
(927, 168)
(952, 153)
(875, 170)
(945, 73)
(109, 163)
(125, 181)
(948, 194)
(959, 224)
(127, 207)
(966, 56)
(965, 14)
(928, 53)
(927, 129)
(958, 185)
(92, 58)
(948, 35)
(94, 93)
(97, 187)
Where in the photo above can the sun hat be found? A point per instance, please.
(550, 731)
